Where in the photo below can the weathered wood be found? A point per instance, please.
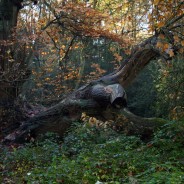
(90, 99)
(140, 125)
(95, 98)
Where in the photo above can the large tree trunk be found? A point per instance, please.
(12, 65)
(102, 98)
(8, 20)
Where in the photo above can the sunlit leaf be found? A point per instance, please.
(161, 36)
(182, 42)
(156, 2)
(159, 44)
(160, 24)
(165, 46)
(171, 53)
(176, 38)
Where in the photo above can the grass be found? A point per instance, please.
(88, 155)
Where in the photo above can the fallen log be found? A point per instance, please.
(96, 98)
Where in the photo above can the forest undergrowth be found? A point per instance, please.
(97, 155)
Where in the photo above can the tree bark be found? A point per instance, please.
(13, 67)
(98, 98)
(8, 20)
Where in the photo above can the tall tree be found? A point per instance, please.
(13, 63)
(8, 20)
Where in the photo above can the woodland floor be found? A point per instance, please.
(93, 155)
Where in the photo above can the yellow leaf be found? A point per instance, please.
(165, 46)
(182, 42)
(47, 79)
(119, 8)
(176, 38)
(181, 50)
(160, 24)
(63, 46)
(159, 44)
(161, 36)
(171, 53)
(150, 28)
(118, 57)
(125, 6)
(156, 2)
(150, 16)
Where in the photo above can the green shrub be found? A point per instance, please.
(88, 155)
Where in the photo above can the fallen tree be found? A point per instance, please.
(100, 98)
